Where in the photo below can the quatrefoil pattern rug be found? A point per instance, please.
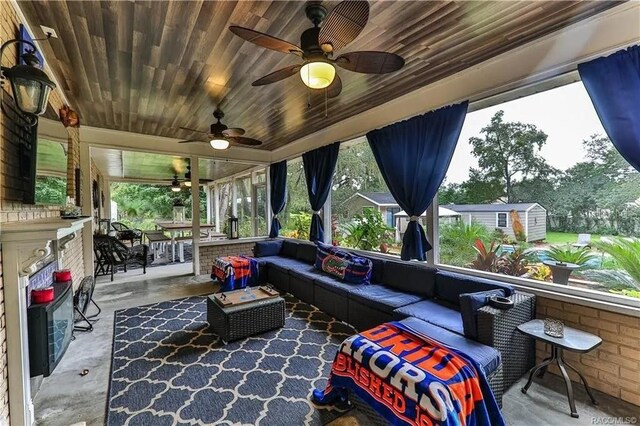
(169, 369)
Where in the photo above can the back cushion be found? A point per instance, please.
(289, 249)
(412, 278)
(342, 264)
(267, 248)
(378, 269)
(306, 252)
(450, 285)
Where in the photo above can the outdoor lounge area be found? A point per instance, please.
(319, 213)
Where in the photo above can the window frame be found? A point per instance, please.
(506, 220)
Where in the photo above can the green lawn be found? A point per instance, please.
(566, 238)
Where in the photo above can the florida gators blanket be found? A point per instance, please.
(235, 272)
(411, 379)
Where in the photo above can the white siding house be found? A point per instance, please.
(497, 216)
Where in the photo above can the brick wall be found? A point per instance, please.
(613, 367)
(209, 253)
(11, 211)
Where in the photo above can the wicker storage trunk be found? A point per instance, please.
(237, 322)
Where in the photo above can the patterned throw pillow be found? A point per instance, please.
(344, 265)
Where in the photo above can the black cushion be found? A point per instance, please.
(470, 303)
(382, 298)
(306, 252)
(450, 285)
(434, 313)
(289, 248)
(377, 274)
(283, 263)
(488, 357)
(267, 248)
(335, 284)
(410, 277)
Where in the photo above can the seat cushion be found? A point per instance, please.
(267, 248)
(335, 285)
(306, 253)
(283, 263)
(450, 285)
(469, 305)
(434, 313)
(289, 249)
(488, 357)
(382, 298)
(410, 277)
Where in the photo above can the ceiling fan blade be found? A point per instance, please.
(233, 132)
(241, 140)
(192, 130)
(278, 75)
(343, 24)
(192, 141)
(265, 40)
(368, 62)
(333, 90)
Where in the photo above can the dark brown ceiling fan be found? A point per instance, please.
(220, 136)
(318, 44)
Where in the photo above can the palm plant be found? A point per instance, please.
(568, 254)
(626, 252)
(457, 241)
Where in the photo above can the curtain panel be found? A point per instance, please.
(413, 157)
(613, 84)
(319, 166)
(278, 182)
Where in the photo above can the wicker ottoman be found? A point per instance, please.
(237, 322)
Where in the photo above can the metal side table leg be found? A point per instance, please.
(567, 381)
(584, 381)
(542, 366)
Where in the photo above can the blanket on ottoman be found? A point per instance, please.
(235, 272)
(411, 379)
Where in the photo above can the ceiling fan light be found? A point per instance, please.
(187, 183)
(175, 185)
(219, 143)
(317, 75)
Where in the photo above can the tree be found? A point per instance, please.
(508, 150)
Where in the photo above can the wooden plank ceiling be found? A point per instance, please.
(149, 168)
(150, 67)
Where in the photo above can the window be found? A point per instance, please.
(296, 217)
(501, 220)
(244, 206)
(567, 194)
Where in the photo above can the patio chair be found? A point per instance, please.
(111, 253)
(124, 233)
(584, 241)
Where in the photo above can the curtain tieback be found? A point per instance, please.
(413, 219)
(275, 216)
(317, 212)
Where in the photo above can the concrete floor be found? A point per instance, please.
(66, 398)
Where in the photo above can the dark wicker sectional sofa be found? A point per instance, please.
(424, 298)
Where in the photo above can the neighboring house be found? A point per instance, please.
(381, 201)
(497, 216)
(445, 216)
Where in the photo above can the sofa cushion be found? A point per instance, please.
(469, 305)
(283, 263)
(267, 248)
(342, 264)
(408, 277)
(334, 284)
(306, 253)
(305, 271)
(289, 249)
(488, 357)
(434, 313)
(377, 272)
(450, 285)
(382, 298)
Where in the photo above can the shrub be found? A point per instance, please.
(298, 226)
(368, 231)
(457, 241)
(514, 263)
(626, 252)
(486, 258)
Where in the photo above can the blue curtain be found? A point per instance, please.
(319, 166)
(413, 157)
(278, 181)
(613, 83)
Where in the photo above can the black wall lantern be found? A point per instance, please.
(30, 85)
(233, 228)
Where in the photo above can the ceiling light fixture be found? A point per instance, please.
(30, 85)
(219, 143)
(175, 185)
(187, 177)
(317, 74)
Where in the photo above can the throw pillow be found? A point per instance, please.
(469, 305)
(342, 264)
(267, 248)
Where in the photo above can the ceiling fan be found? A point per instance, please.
(318, 44)
(220, 136)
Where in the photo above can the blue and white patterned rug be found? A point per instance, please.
(169, 369)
